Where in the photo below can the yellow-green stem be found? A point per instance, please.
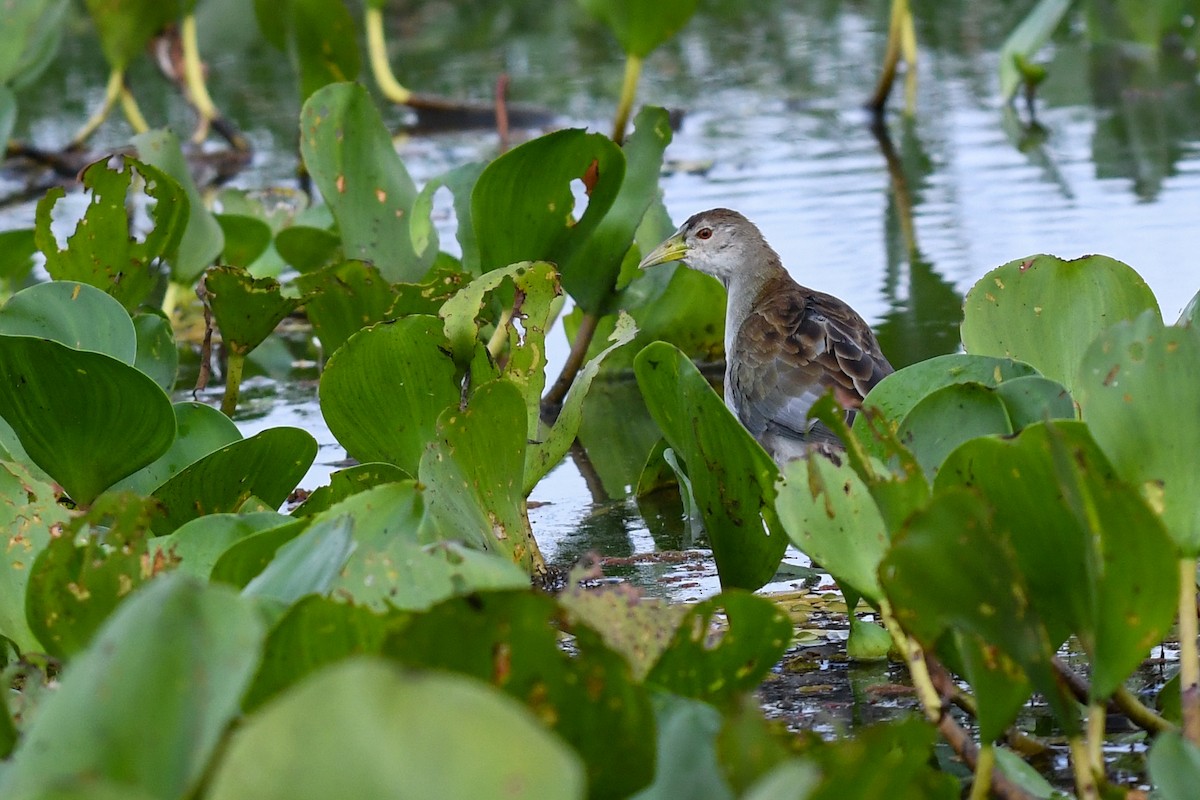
(171, 299)
(633, 70)
(1189, 657)
(918, 670)
(112, 92)
(908, 50)
(133, 114)
(984, 763)
(496, 343)
(381, 69)
(1085, 779)
(193, 76)
(1097, 714)
(233, 382)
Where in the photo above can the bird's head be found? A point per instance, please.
(719, 242)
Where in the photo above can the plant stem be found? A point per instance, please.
(1123, 701)
(918, 670)
(500, 335)
(133, 114)
(112, 92)
(1085, 779)
(1095, 737)
(908, 50)
(1189, 657)
(193, 76)
(982, 783)
(381, 70)
(233, 382)
(891, 55)
(633, 70)
(552, 402)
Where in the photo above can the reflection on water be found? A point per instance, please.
(899, 223)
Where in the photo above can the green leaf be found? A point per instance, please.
(29, 41)
(383, 390)
(1046, 311)
(8, 113)
(203, 239)
(510, 639)
(717, 665)
(1025, 40)
(120, 715)
(200, 430)
(889, 760)
(344, 298)
(28, 512)
(687, 753)
(347, 482)
(246, 238)
(350, 155)
(308, 564)
(732, 476)
(200, 544)
(125, 27)
(473, 471)
(74, 413)
(268, 465)
(1131, 379)
(101, 252)
(328, 736)
(157, 355)
(306, 248)
(522, 205)
(1174, 766)
(246, 309)
(16, 255)
(461, 312)
(79, 316)
(639, 27)
(830, 515)
(949, 416)
(1035, 399)
(322, 42)
(249, 556)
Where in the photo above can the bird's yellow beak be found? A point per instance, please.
(673, 249)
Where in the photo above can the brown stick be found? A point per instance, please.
(1122, 702)
(502, 110)
(552, 402)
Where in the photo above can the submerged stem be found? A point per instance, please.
(381, 69)
(112, 92)
(633, 70)
(233, 382)
(1189, 657)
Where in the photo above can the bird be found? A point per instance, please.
(785, 344)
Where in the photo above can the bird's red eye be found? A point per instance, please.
(704, 233)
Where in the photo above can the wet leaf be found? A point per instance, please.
(352, 160)
(510, 640)
(268, 465)
(1046, 311)
(203, 238)
(732, 476)
(65, 403)
(246, 309)
(383, 390)
(101, 252)
(119, 714)
(77, 315)
(324, 738)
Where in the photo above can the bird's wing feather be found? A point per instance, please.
(794, 345)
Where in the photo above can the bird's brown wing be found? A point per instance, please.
(794, 345)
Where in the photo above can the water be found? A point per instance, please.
(774, 127)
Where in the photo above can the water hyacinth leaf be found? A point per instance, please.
(1190, 312)
(157, 355)
(28, 511)
(101, 252)
(687, 765)
(250, 555)
(326, 736)
(82, 575)
(350, 155)
(347, 482)
(30, 40)
(1000, 686)
(542, 455)
(473, 471)
(198, 545)
(77, 315)
(1046, 311)
(8, 112)
(793, 779)
(383, 390)
(732, 476)
(307, 248)
(307, 564)
(342, 299)
(830, 515)
(617, 432)
(1035, 399)
(532, 184)
(246, 309)
(321, 40)
(200, 430)
(315, 632)
(890, 759)
(1025, 40)
(461, 312)
(693, 665)
(1132, 375)
(246, 239)
(16, 255)
(125, 27)
(1174, 766)
(203, 238)
(43, 384)
(610, 735)
(949, 416)
(638, 27)
(590, 275)
(268, 465)
(949, 571)
(119, 714)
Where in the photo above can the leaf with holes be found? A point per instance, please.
(246, 309)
